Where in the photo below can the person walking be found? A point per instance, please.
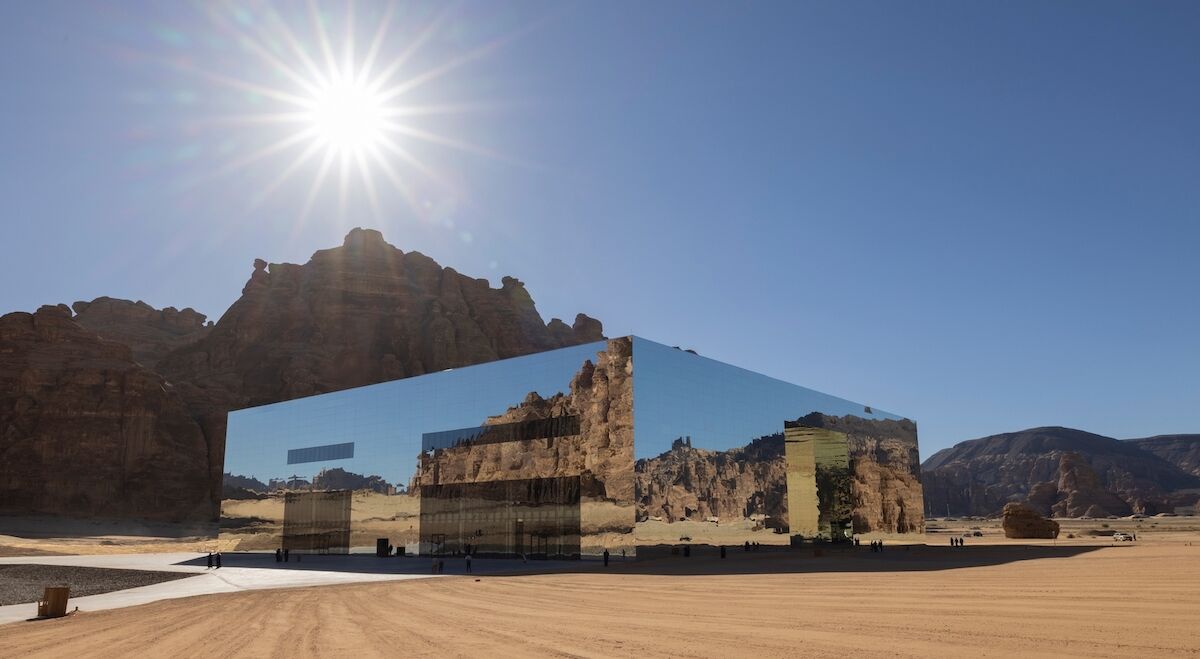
(278, 555)
(210, 562)
(218, 560)
(468, 560)
(285, 554)
(606, 557)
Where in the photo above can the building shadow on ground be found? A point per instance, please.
(664, 560)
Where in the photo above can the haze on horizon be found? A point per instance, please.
(984, 217)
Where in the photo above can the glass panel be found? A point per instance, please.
(713, 466)
(562, 414)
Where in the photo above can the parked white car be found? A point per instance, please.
(1122, 537)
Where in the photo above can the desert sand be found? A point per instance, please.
(1089, 597)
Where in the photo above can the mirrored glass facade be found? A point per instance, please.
(613, 445)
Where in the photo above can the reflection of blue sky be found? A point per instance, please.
(385, 421)
(678, 394)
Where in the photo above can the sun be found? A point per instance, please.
(350, 116)
(347, 116)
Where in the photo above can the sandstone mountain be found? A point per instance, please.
(150, 333)
(1183, 451)
(87, 431)
(1059, 471)
(119, 410)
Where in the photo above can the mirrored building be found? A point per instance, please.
(612, 445)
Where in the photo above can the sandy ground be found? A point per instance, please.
(1088, 597)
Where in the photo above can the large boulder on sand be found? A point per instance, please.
(1021, 521)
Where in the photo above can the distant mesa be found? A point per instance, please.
(1062, 472)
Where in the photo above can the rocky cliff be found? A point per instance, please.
(1055, 470)
(1183, 451)
(134, 426)
(150, 333)
(85, 431)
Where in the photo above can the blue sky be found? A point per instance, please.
(983, 216)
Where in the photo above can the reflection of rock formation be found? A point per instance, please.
(601, 396)
(85, 431)
(242, 487)
(245, 482)
(340, 479)
(818, 483)
(1102, 476)
(885, 465)
(1021, 521)
(687, 483)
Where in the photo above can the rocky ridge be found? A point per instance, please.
(150, 333)
(1059, 471)
(1182, 451)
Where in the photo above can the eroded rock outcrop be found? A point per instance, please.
(150, 333)
(1021, 521)
(85, 431)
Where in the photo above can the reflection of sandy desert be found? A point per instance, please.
(735, 532)
(256, 524)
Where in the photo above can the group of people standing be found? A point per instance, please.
(281, 556)
(211, 557)
(876, 545)
(956, 541)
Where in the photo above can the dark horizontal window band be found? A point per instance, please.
(321, 453)
(558, 426)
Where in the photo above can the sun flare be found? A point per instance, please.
(347, 117)
(352, 117)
